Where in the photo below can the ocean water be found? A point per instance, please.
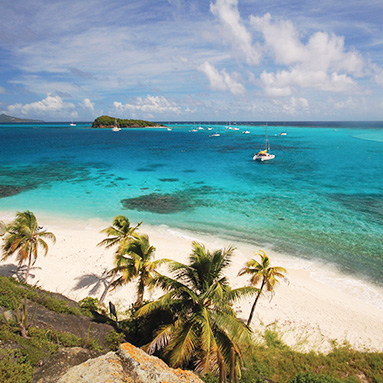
(320, 199)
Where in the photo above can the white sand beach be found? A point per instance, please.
(309, 314)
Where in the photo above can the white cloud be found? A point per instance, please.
(322, 63)
(322, 52)
(221, 80)
(45, 106)
(282, 83)
(228, 14)
(294, 106)
(2, 90)
(87, 104)
(149, 105)
(378, 73)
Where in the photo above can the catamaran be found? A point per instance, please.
(264, 155)
(116, 128)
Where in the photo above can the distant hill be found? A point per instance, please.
(108, 122)
(7, 119)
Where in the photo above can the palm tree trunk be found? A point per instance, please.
(222, 369)
(232, 366)
(140, 293)
(28, 267)
(107, 287)
(255, 302)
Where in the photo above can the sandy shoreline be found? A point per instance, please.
(309, 314)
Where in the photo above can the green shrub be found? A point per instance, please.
(14, 368)
(12, 292)
(309, 377)
(113, 339)
(273, 340)
(89, 304)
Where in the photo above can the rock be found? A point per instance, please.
(8, 315)
(128, 365)
(50, 370)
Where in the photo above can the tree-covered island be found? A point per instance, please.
(109, 122)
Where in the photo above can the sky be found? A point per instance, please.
(192, 60)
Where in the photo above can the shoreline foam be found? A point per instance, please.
(309, 313)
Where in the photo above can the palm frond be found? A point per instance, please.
(160, 340)
(182, 345)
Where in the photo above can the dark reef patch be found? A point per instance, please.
(9, 190)
(157, 203)
(168, 179)
(14, 180)
(167, 203)
(150, 168)
(369, 204)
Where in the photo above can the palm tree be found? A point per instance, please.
(24, 236)
(135, 261)
(205, 329)
(120, 233)
(264, 273)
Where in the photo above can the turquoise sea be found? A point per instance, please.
(320, 199)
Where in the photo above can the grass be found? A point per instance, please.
(13, 292)
(280, 363)
(271, 359)
(277, 362)
(19, 356)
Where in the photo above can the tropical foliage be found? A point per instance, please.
(205, 330)
(265, 274)
(107, 121)
(24, 237)
(119, 234)
(135, 260)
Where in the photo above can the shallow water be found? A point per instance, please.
(321, 198)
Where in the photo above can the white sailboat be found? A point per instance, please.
(116, 128)
(264, 155)
(72, 123)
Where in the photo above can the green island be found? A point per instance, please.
(191, 326)
(5, 119)
(110, 122)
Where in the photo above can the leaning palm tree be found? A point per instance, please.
(119, 234)
(24, 237)
(264, 273)
(204, 329)
(135, 261)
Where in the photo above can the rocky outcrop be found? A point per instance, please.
(50, 370)
(128, 365)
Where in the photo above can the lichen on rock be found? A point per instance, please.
(128, 364)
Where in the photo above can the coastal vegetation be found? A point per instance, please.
(192, 325)
(109, 122)
(264, 273)
(204, 330)
(135, 261)
(5, 119)
(24, 237)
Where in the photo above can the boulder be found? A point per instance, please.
(128, 365)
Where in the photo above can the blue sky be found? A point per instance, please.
(168, 60)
